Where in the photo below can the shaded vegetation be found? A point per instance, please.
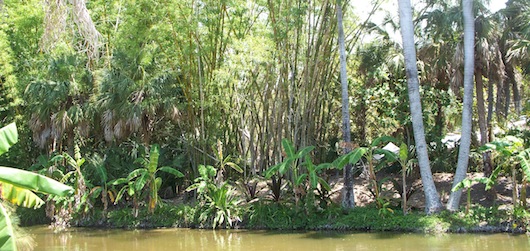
(227, 114)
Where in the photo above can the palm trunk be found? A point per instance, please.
(499, 104)
(482, 123)
(348, 196)
(490, 103)
(512, 80)
(432, 198)
(507, 98)
(467, 110)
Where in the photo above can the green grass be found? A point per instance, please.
(286, 216)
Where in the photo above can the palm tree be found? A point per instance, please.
(488, 64)
(348, 196)
(57, 104)
(432, 198)
(467, 112)
(514, 48)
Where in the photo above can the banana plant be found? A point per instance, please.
(145, 178)
(369, 152)
(406, 164)
(290, 166)
(223, 162)
(467, 183)
(18, 187)
(290, 162)
(512, 153)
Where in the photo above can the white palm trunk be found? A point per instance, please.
(432, 198)
(467, 109)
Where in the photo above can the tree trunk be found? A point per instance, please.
(512, 80)
(348, 196)
(490, 103)
(499, 104)
(506, 98)
(482, 122)
(467, 110)
(432, 198)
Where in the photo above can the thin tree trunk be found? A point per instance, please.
(482, 122)
(512, 79)
(467, 110)
(490, 103)
(506, 98)
(499, 105)
(432, 198)
(348, 196)
(488, 171)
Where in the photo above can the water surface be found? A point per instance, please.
(80, 239)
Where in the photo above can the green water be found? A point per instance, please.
(190, 240)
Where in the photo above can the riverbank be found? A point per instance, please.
(484, 216)
(270, 216)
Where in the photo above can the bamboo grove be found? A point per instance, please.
(203, 78)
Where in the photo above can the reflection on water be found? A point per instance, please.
(239, 240)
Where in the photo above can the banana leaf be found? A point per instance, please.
(20, 196)
(288, 147)
(33, 181)
(171, 170)
(153, 158)
(8, 137)
(7, 236)
(403, 153)
(524, 158)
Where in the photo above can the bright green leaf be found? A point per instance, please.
(288, 147)
(154, 154)
(304, 151)
(324, 184)
(524, 159)
(357, 154)
(383, 139)
(8, 137)
(32, 181)
(300, 179)
(7, 240)
(313, 180)
(403, 153)
(173, 171)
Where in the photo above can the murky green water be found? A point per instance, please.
(235, 240)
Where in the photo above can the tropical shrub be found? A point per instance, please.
(304, 177)
(218, 204)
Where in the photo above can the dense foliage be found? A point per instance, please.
(220, 95)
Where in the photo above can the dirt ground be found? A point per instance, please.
(501, 194)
